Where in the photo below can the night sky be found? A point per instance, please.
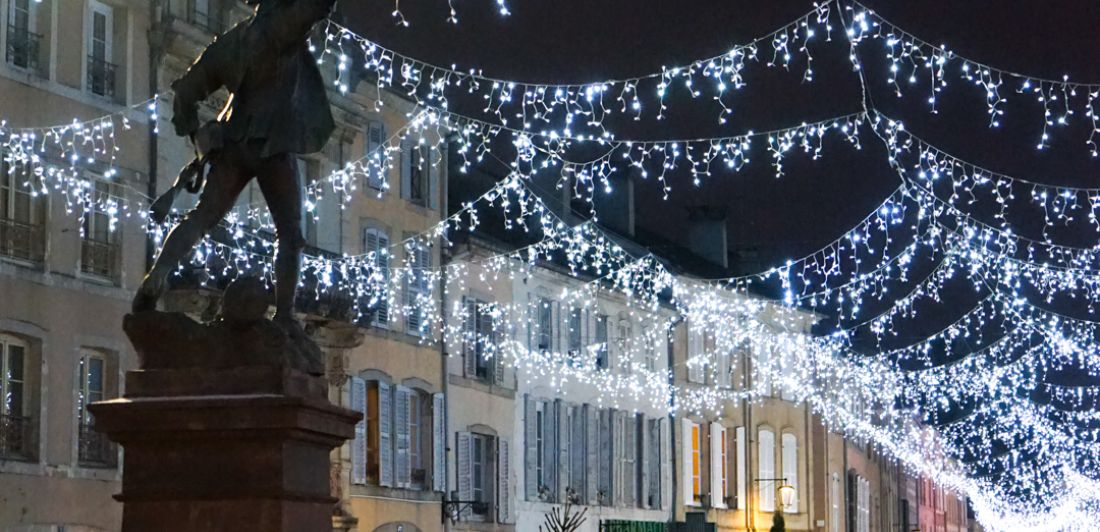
(580, 41)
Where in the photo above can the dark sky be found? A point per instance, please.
(578, 41)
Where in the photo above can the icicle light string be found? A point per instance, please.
(582, 105)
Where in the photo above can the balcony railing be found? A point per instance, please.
(99, 258)
(22, 241)
(101, 76)
(16, 442)
(22, 47)
(95, 450)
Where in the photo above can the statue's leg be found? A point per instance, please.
(278, 178)
(224, 182)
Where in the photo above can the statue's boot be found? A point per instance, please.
(148, 294)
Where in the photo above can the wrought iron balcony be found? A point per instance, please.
(101, 76)
(16, 442)
(22, 47)
(22, 241)
(99, 258)
(95, 450)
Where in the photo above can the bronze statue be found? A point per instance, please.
(276, 110)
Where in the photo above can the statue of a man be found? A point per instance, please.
(276, 110)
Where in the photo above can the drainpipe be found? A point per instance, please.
(671, 335)
(847, 494)
(443, 350)
(746, 414)
(156, 47)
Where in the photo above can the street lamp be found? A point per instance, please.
(786, 491)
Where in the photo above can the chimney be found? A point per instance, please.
(707, 234)
(615, 210)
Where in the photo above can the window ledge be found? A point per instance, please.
(404, 494)
(482, 386)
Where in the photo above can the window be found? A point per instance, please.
(790, 467)
(602, 361)
(741, 456)
(376, 155)
(376, 243)
(15, 422)
(94, 450)
(21, 215)
(483, 476)
(204, 14)
(99, 247)
(23, 43)
(625, 425)
(401, 441)
(622, 343)
(418, 288)
(481, 360)
(541, 463)
(834, 503)
(766, 447)
(101, 71)
(577, 452)
(545, 334)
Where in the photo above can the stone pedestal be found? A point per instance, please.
(227, 425)
(227, 449)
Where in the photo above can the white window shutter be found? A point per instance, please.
(561, 437)
(385, 434)
(695, 355)
(401, 441)
(439, 443)
(739, 450)
(531, 449)
(790, 466)
(630, 460)
(437, 165)
(464, 452)
(717, 491)
(617, 453)
(687, 461)
(766, 445)
(469, 336)
(407, 145)
(577, 452)
(592, 448)
(504, 485)
(655, 464)
(376, 134)
(357, 400)
(606, 482)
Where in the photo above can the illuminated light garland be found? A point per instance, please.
(580, 105)
(912, 59)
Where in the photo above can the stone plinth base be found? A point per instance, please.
(248, 451)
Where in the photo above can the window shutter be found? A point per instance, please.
(485, 335)
(717, 493)
(577, 453)
(417, 289)
(561, 439)
(401, 419)
(618, 478)
(653, 484)
(687, 460)
(739, 442)
(790, 466)
(407, 146)
(437, 165)
(766, 446)
(358, 402)
(695, 351)
(439, 443)
(531, 449)
(630, 460)
(464, 472)
(376, 242)
(376, 134)
(724, 365)
(606, 458)
(592, 450)
(385, 434)
(500, 375)
(504, 485)
(469, 336)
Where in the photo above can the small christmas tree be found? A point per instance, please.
(778, 525)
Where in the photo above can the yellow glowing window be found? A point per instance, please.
(696, 466)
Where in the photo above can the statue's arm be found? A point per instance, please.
(281, 29)
(199, 82)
